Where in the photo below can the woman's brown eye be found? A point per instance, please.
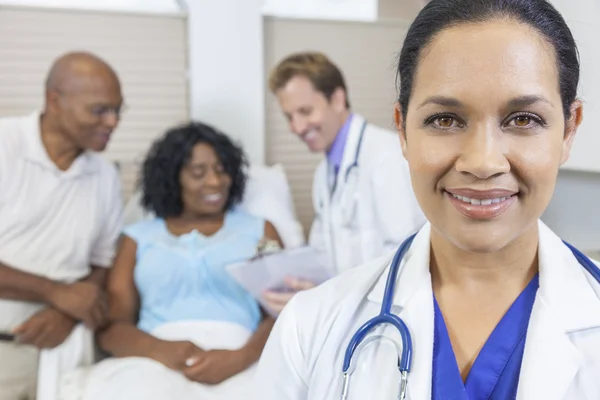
(522, 121)
(445, 122)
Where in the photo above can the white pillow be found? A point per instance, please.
(267, 195)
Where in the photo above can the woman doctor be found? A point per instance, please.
(496, 305)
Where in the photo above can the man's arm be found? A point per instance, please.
(23, 286)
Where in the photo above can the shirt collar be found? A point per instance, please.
(336, 153)
(36, 152)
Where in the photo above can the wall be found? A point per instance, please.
(226, 69)
(584, 22)
(145, 6)
(574, 212)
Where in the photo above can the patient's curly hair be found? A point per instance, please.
(159, 180)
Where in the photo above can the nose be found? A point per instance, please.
(212, 179)
(298, 125)
(111, 118)
(483, 153)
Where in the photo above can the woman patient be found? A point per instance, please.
(181, 327)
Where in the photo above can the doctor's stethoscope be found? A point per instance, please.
(348, 207)
(358, 341)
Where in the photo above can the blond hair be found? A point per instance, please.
(316, 67)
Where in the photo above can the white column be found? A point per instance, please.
(227, 79)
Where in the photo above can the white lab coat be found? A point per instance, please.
(303, 357)
(372, 208)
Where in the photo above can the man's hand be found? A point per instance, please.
(174, 354)
(277, 300)
(215, 366)
(83, 301)
(46, 329)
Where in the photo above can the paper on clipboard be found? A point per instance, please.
(268, 272)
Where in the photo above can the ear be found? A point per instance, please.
(571, 126)
(338, 99)
(399, 122)
(52, 101)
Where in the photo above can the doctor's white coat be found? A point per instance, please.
(303, 357)
(371, 208)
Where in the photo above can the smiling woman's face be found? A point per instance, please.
(485, 132)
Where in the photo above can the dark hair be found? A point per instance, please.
(159, 181)
(325, 76)
(438, 15)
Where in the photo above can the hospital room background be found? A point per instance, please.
(208, 60)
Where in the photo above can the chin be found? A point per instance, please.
(480, 239)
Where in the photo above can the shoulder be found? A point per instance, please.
(140, 230)
(243, 222)
(106, 169)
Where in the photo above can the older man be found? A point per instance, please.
(60, 216)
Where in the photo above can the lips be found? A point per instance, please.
(310, 135)
(214, 198)
(482, 205)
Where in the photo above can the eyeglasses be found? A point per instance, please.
(102, 111)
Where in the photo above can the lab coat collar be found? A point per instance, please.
(414, 271)
(415, 284)
(566, 303)
(564, 284)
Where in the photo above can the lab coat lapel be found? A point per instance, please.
(565, 303)
(414, 287)
(323, 202)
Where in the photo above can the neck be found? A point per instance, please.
(187, 222)
(194, 218)
(61, 151)
(514, 265)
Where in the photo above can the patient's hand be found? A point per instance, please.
(46, 329)
(83, 301)
(214, 366)
(277, 300)
(174, 354)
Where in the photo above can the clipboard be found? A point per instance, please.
(268, 272)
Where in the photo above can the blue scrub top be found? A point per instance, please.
(495, 372)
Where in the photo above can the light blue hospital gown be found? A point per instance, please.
(184, 278)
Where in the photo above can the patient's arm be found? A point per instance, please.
(253, 349)
(121, 337)
(271, 233)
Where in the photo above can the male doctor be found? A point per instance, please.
(362, 194)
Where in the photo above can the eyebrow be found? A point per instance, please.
(524, 101)
(517, 102)
(442, 101)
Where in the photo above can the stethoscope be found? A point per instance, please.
(386, 317)
(351, 171)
